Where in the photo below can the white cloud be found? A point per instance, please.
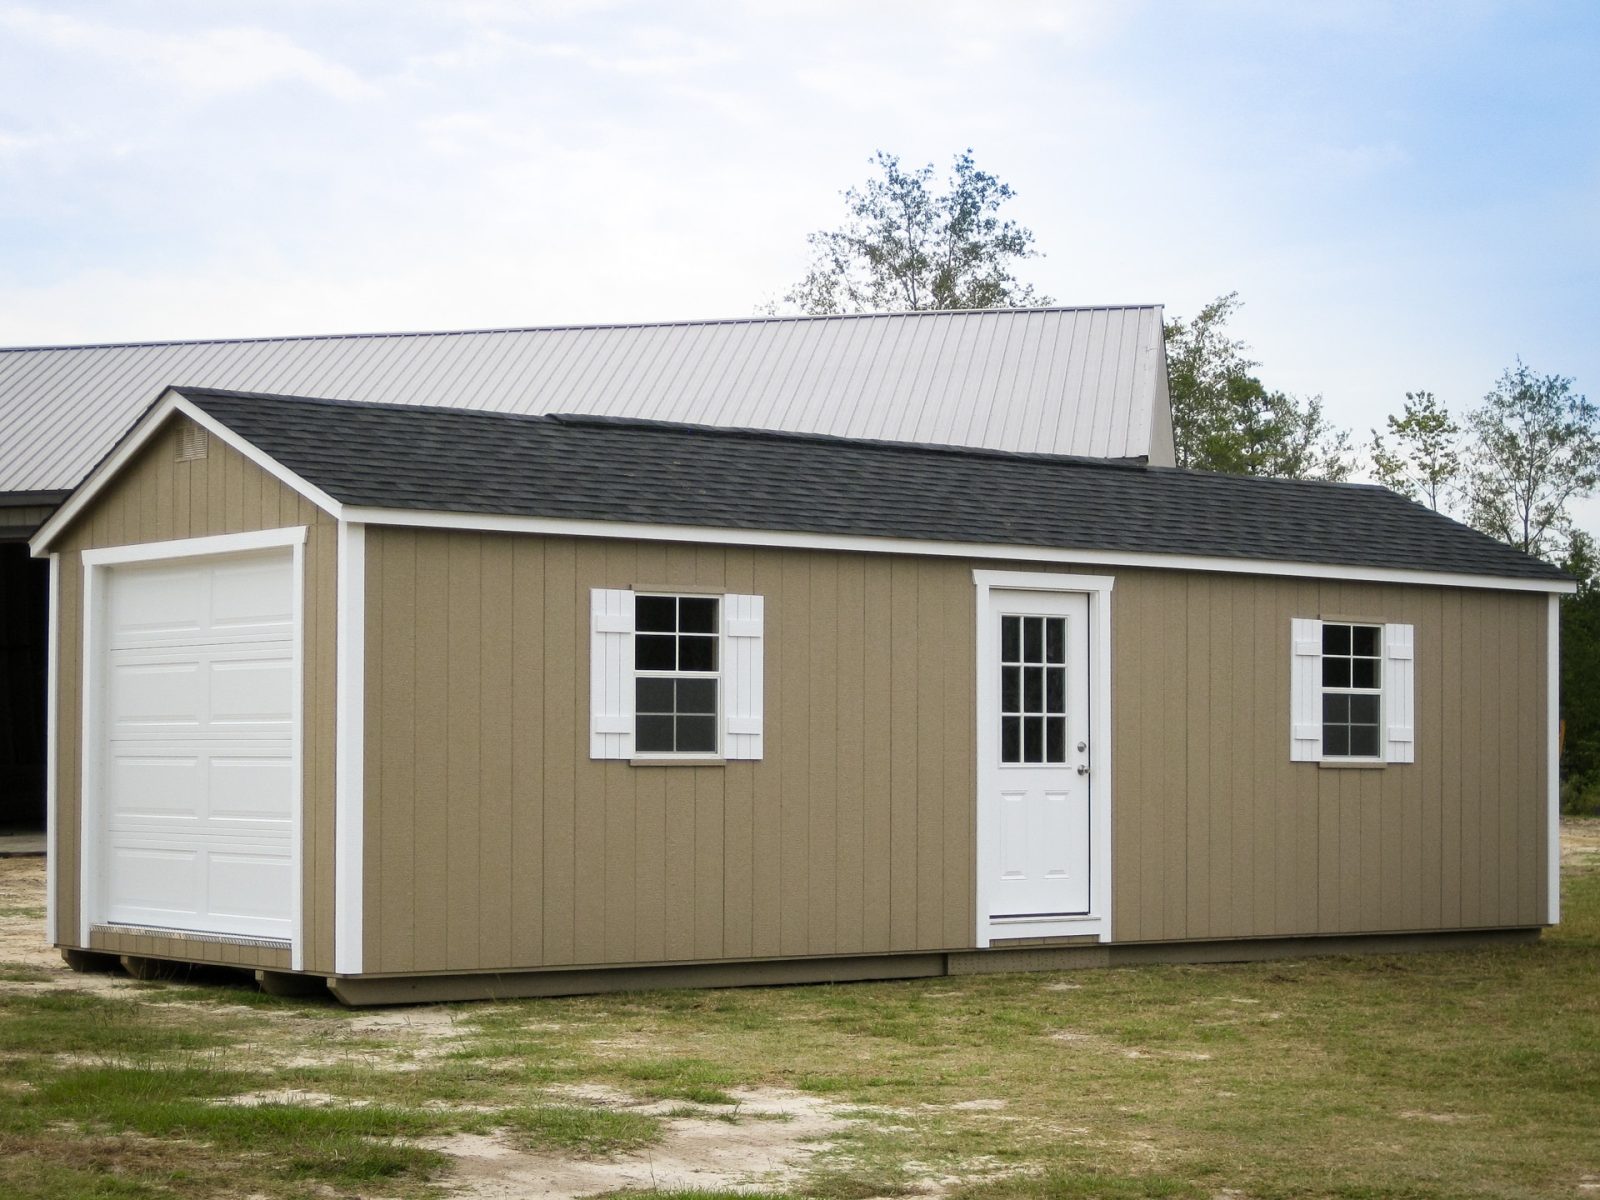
(212, 61)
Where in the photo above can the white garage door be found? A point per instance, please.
(197, 780)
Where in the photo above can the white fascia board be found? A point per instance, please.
(349, 803)
(858, 543)
(1553, 764)
(171, 401)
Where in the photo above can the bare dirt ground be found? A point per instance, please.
(771, 1135)
(1580, 843)
(22, 914)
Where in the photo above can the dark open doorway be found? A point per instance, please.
(24, 606)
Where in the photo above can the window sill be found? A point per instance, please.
(677, 762)
(1352, 764)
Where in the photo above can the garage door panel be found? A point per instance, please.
(154, 883)
(155, 604)
(251, 598)
(251, 788)
(155, 697)
(199, 687)
(255, 691)
(155, 787)
(248, 888)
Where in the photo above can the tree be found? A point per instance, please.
(1225, 419)
(1537, 449)
(906, 245)
(1425, 459)
(1580, 669)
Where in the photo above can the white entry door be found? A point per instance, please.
(1035, 797)
(197, 790)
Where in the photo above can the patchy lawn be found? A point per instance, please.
(1453, 1075)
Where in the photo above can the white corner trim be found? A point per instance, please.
(1553, 764)
(349, 750)
(222, 543)
(859, 543)
(52, 746)
(135, 439)
(1098, 589)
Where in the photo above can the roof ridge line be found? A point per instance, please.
(793, 435)
(741, 432)
(574, 327)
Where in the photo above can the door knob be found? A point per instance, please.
(1083, 768)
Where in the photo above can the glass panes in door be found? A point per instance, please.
(1033, 689)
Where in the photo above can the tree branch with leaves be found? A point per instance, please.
(1420, 456)
(1536, 449)
(907, 245)
(1225, 419)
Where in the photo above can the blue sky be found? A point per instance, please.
(1404, 195)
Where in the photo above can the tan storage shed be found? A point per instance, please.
(432, 703)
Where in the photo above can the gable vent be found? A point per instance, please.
(193, 442)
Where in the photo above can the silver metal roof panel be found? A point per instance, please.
(1086, 381)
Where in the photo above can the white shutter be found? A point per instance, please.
(742, 680)
(1305, 689)
(610, 673)
(1399, 685)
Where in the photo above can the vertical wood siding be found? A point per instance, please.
(495, 842)
(156, 498)
(1218, 835)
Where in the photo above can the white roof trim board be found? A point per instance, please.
(1081, 381)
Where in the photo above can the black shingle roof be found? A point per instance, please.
(594, 468)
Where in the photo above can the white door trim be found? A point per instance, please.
(1098, 590)
(95, 562)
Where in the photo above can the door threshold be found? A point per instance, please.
(1012, 928)
(1006, 918)
(190, 935)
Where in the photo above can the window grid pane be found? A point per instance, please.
(1352, 677)
(1033, 689)
(676, 685)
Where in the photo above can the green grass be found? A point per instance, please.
(691, 1079)
(582, 1130)
(1082, 1185)
(1457, 1075)
(81, 1023)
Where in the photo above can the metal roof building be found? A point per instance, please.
(1081, 381)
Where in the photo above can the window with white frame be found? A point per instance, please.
(1351, 689)
(675, 676)
(1352, 698)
